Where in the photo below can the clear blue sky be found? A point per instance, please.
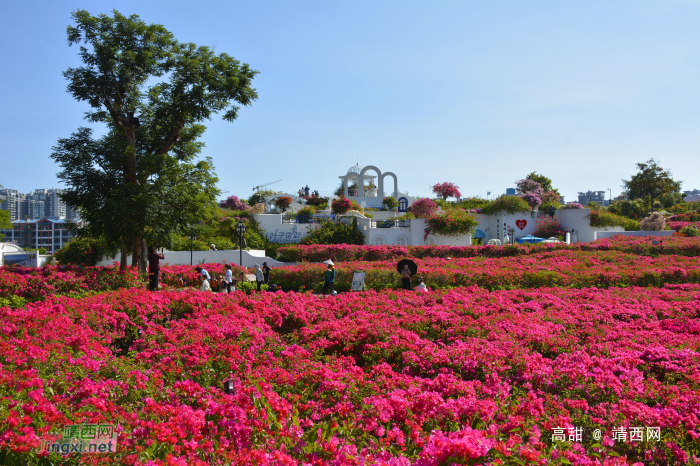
(473, 92)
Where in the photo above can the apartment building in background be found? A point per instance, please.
(48, 233)
(38, 204)
(595, 196)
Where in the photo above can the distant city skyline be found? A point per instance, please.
(476, 93)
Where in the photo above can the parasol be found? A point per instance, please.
(530, 239)
(411, 266)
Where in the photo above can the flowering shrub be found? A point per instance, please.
(81, 251)
(532, 199)
(509, 204)
(571, 205)
(554, 268)
(445, 190)
(341, 205)
(390, 203)
(283, 203)
(452, 222)
(346, 252)
(678, 226)
(550, 197)
(528, 186)
(423, 208)
(258, 208)
(34, 284)
(654, 222)
(317, 201)
(607, 219)
(234, 203)
(390, 378)
(690, 232)
(549, 227)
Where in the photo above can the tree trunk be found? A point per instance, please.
(125, 253)
(144, 255)
(136, 252)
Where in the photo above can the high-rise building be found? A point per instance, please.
(595, 196)
(36, 205)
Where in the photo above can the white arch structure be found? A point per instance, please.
(380, 181)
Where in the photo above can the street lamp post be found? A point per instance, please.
(240, 228)
(191, 237)
(610, 191)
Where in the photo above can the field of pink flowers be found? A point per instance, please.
(462, 376)
(349, 252)
(556, 267)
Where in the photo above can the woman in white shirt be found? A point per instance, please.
(228, 278)
(421, 286)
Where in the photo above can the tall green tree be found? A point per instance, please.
(652, 180)
(5, 223)
(545, 182)
(152, 92)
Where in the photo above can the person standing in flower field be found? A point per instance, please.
(154, 267)
(266, 272)
(259, 277)
(228, 278)
(406, 277)
(329, 277)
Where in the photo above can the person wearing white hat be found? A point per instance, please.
(329, 276)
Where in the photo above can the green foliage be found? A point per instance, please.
(545, 182)
(473, 203)
(140, 181)
(608, 219)
(651, 180)
(509, 204)
(335, 233)
(5, 223)
(247, 287)
(453, 222)
(259, 197)
(12, 301)
(632, 209)
(307, 210)
(83, 251)
(319, 203)
(690, 231)
(390, 203)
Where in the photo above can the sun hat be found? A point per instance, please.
(328, 262)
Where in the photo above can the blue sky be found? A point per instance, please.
(477, 93)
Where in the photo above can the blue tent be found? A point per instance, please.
(530, 239)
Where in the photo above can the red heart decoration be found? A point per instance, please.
(521, 224)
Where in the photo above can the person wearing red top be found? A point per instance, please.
(154, 267)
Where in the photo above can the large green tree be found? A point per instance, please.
(5, 223)
(545, 182)
(652, 180)
(152, 92)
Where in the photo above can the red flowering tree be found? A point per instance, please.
(341, 205)
(283, 203)
(423, 208)
(445, 190)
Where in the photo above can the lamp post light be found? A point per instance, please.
(240, 228)
(191, 237)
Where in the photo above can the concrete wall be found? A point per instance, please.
(576, 219)
(610, 234)
(278, 232)
(250, 258)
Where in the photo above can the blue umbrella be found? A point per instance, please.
(530, 239)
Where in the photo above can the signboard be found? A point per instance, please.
(358, 281)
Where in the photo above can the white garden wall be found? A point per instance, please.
(250, 258)
(610, 234)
